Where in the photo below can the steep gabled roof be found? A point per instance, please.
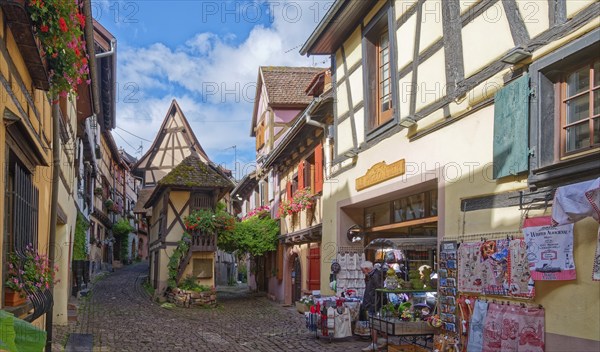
(174, 141)
(285, 86)
(143, 196)
(192, 173)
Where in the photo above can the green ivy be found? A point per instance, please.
(182, 248)
(79, 242)
(121, 230)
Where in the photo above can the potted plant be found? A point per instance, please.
(109, 204)
(98, 191)
(304, 199)
(26, 274)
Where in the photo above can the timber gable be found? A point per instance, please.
(174, 142)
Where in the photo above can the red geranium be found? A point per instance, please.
(44, 28)
(63, 24)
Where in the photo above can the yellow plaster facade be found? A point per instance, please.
(33, 109)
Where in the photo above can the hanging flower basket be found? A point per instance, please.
(59, 26)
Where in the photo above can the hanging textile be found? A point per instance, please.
(549, 249)
(531, 330)
(469, 267)
(343, 326)
(575, 202)
(492, 328)
(519, 280)
(596, 269)
(510, 329)
(475, 343)
(494, 271)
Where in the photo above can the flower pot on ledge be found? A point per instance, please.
(13, 298)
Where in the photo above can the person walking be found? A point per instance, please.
(373, 281)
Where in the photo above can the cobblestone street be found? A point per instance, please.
(122, 317)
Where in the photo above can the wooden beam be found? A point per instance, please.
(349, 95)
(399, 225)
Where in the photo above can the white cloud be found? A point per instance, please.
(214, 79)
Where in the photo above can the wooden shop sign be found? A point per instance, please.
(380, 172)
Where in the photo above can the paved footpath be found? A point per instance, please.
(122, 317)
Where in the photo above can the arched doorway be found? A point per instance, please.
(296, 278)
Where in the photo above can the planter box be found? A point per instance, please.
(13, 298)
(301, 307)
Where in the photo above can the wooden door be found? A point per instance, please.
(296, 280)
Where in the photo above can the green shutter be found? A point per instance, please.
(511, 128)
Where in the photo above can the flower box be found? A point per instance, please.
(301, 307)
(13, 298)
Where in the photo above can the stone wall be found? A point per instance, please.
(184, 298)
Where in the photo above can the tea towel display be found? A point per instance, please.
(549, 249)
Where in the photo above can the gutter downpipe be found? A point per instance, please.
(327, 146)
(53, 213)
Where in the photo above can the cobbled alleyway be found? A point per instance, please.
(122, 317)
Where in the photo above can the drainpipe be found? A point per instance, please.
(328, 137)
(113, 46)
(53, 212)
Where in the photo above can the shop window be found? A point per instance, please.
(409, 208)
(413, 207)
(379, 70)
(377, 215)
(565, 112)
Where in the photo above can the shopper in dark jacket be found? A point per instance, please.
(370, 303)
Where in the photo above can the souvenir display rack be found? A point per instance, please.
(414, 332)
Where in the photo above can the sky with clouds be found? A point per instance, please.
(204, 54)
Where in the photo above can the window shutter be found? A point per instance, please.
(301, 175)
(288, 190)
(318, 169)
(511, 128)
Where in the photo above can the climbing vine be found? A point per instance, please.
(79, 242)
(182, 248)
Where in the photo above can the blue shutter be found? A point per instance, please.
(511, 128)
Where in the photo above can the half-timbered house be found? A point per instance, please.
(178, 178)
(298, 163)
(452, 118)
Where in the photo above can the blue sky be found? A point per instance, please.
(206, 55)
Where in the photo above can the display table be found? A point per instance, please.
(408, 330)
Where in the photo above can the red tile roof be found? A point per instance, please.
(287, 85)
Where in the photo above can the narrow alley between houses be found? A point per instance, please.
(121, 316)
